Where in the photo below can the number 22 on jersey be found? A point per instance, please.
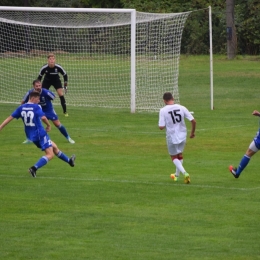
(28, 118)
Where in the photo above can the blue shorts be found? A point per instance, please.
(51, 115)
(43, 143)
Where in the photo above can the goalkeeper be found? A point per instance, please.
(51, 71)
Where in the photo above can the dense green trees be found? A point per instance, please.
(247, 18)
(195, 35)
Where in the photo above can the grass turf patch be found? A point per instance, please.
(119, 202)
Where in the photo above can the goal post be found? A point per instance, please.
(117, 58)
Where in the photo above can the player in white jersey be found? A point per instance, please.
(172, 117)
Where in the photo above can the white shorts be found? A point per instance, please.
(253, 147)
(175, 149)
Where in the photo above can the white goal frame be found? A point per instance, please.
(133, 14)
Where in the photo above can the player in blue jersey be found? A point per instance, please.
(31, 113)
(253, 148)
(46, 98)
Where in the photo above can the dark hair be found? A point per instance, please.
(35, 81)
(167, 96)
(34, 94)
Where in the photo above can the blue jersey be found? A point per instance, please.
(257, 140)
(31, 115)
(46, 98)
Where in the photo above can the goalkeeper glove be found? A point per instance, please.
(65, 87)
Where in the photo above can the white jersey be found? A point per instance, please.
(172, 117)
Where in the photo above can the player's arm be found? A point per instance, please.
(49, 95)
(41, 73)
(189, 116)
(256, 113)
(47, 123)
(65, 77)
(65, 86)
(5, 122)
(193, 127)
(161, 123)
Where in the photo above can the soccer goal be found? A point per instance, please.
(114, 58)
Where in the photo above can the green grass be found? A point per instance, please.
(119, 201)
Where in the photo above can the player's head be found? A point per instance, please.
(167, 96)
(51, 60)
(34, 97)
(37, 85)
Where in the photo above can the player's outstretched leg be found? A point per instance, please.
(27, 141)
(64, 106)
(178, 165)
(233, 171)
(174, 176)
(64, 132)
(72, 160)
(65, 158)
(32, 170)
(70, 140)
(186, 178)
(42, 161)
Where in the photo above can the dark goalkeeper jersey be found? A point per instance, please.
(52, 74)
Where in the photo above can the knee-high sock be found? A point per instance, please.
(63, 104)
(243, 163)
(63, 156)
(177, 170)
(63, 130)
(178, 165)
(43, 160)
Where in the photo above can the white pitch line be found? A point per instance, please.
(136, 182)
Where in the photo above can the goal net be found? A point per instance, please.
(116, 58)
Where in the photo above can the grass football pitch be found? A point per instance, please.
(119, 202)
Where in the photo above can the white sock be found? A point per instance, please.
(177, 170)
(179, 166)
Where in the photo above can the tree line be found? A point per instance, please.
(246, 18)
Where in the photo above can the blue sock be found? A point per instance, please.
(44, 160)
(63, 130)
(63, 156)
(243, 163)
